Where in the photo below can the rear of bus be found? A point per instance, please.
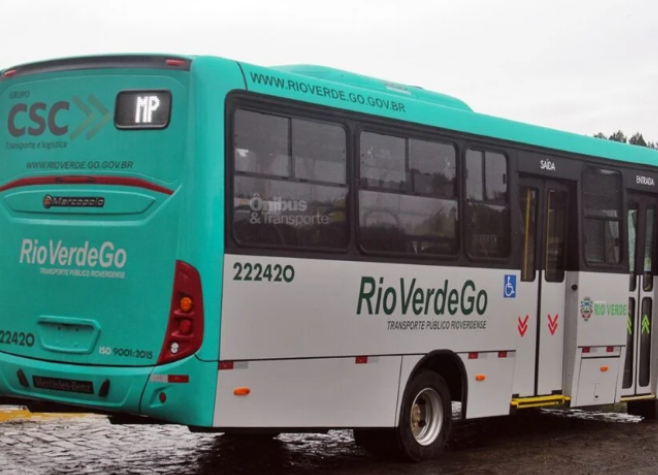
(99, 306)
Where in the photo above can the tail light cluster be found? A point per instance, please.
(185, 327)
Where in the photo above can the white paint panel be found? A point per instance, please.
(526, 340)
(597, 387)
(588, 328)
(317, 313)
(608, 325)
(409, 362)
(491, 397)
(327, 393)
(571, 363)
(551, 336)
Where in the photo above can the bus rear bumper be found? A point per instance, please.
(174, 392)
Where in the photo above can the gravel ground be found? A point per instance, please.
(540, 442)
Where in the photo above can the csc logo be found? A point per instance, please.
(41, 118)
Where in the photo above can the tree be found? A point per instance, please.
(618, 137)
(637, 139)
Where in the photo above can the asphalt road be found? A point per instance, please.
(543, 442)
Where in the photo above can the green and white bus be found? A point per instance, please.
(252, 250)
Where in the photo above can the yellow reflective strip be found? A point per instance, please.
(644, 397)
(14, 414)
(541, 400)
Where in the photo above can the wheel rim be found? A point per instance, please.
(426, 416)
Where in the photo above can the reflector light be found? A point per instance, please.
(169, 378)
(502, 354)
(586, 349)
(225, 365)
(604, 369)
(610, 349)
(480, 377)
(178, 378)
(242, 391)
(162, 397)
(361, 360)
(473, 356)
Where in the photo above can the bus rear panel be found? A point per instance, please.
(93, 159)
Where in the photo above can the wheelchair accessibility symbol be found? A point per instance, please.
(509, 290)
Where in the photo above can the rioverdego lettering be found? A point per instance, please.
(409, 299)
(56, 253)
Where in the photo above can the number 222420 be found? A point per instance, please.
(263, 273)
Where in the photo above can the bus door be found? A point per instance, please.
(545, 206)
(638, 371)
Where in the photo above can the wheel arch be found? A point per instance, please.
(451, 368)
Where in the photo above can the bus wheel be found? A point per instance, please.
(425, 417)
(425, 422)
(646, 409)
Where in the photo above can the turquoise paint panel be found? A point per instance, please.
(203, 246)
(111, 267)
(189, 403)
(126, 384)
(131, 390)
(67, 335)
(84, 141)
(113, 325)
(370, 96)
(114, 202)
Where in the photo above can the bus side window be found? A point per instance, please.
(487, 209)
(602, 215)
(556, 209)
(281, 202)
(407, 196)
(261, 144)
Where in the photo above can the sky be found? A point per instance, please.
(583, 66)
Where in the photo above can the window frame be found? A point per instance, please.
(484, 148)
(620, 219)
(289, 113)
(406, 134)
(536, 256)
(352, 122)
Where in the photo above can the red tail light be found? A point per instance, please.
(176, 62)
(185, 329)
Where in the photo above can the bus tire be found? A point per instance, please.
(645, 409)
(425, 417)
(424, 425)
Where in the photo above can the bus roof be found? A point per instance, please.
(438, 110)
(418, 106)
(367, 82)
